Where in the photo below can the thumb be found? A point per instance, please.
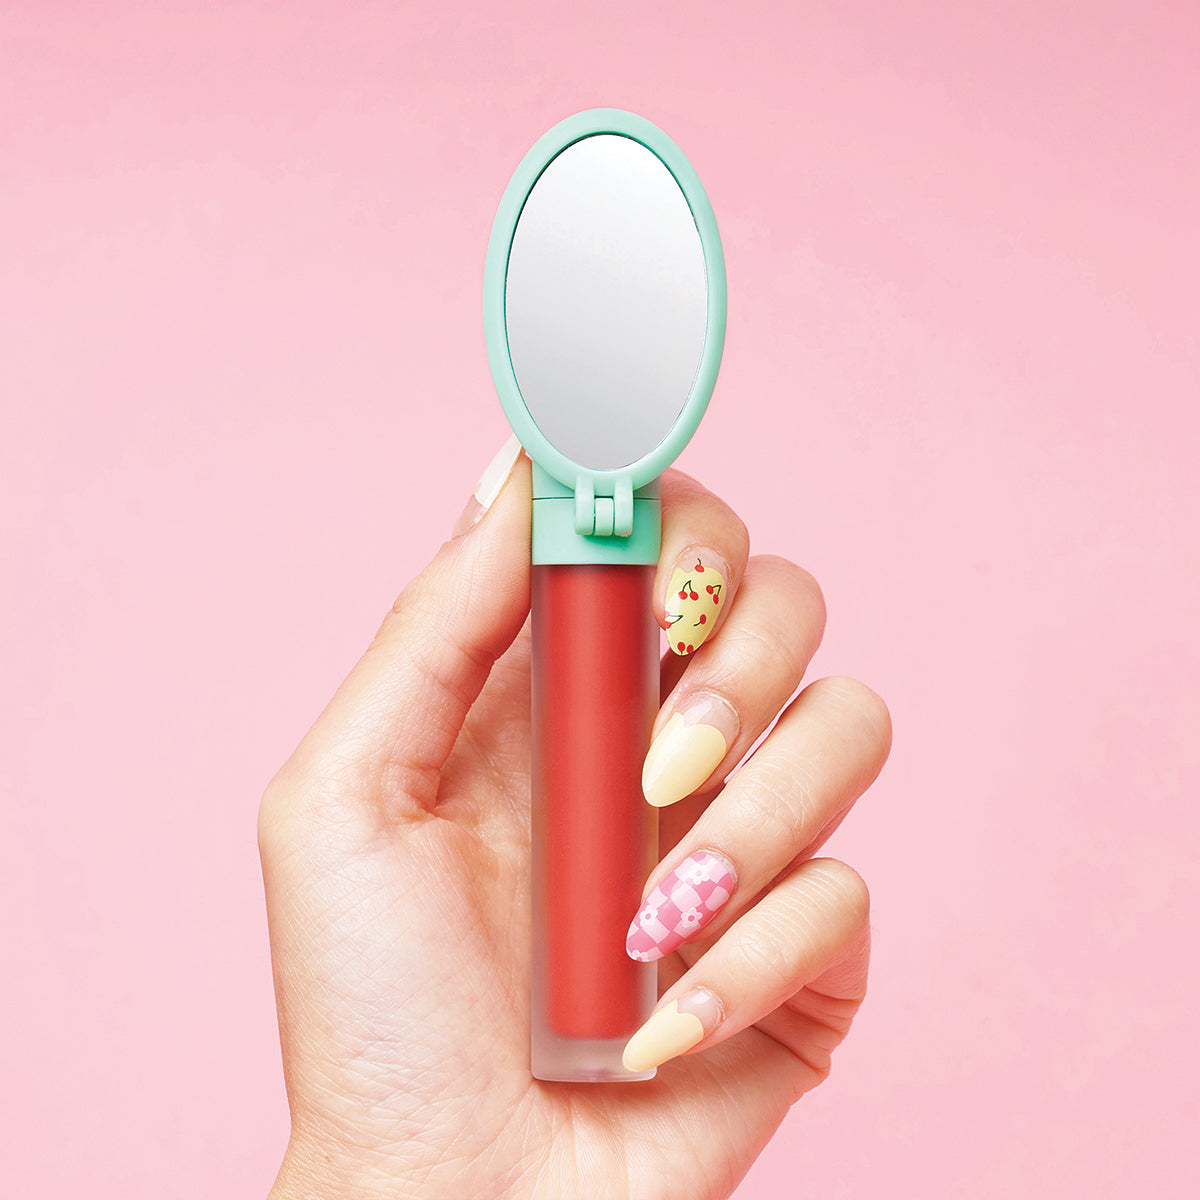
(395, 718)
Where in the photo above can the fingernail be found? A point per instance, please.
(688, 749)
(674, 1028)
(680, 905)
(694, 598)
(494, 477)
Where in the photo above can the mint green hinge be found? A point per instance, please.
(563, 532)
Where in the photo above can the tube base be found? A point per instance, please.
(581, 1060)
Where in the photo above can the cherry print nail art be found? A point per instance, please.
(693, 598)
(681, 904)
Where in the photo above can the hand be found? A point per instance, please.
(395, 852)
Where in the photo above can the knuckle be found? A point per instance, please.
(747, 651)
(791, 575)
(413, 604)
(788, 614)
(765, 955)
(443, 586)
(845, 887)
(800, 584)
(767, 649)
(778, 803)
(300, 800)
(814, 597)
(854, 700)
(401, 607)
(740, 533)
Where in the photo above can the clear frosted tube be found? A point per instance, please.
(595, 839)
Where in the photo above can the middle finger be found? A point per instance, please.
(736, 684)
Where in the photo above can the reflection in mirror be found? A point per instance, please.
(605, 301)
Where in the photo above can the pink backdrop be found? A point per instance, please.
(245, 395)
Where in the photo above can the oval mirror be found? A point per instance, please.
(604, 301)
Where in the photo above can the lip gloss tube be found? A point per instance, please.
(604, 319)
(595, 695)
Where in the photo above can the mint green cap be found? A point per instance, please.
(581, 514)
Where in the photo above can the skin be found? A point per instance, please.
(395, 853)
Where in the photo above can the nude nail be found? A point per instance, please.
(493, 479)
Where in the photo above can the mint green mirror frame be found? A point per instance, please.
(584, 515)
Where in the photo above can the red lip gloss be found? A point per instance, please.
(604, 315)
(595, 695)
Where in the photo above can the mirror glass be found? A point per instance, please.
(605, 302)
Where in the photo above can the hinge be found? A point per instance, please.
(605, 515)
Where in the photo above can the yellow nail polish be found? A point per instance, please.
(680, 759)
(666, 1034)
(694, 600)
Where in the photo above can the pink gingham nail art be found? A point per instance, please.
(680, 904)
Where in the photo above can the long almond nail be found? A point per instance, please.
(689, 748)
(694, 598)
(682, 903)
(674, 1028)
(494, 477)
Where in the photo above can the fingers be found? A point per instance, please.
(813, 924)
(399, 711)
(741, 634)
(826, 750)
(734, 688)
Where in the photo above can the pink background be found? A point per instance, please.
(245, 395)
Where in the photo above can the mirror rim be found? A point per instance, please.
(545, 150)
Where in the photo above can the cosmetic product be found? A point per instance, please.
(604, 315)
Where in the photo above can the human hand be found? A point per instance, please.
(396, 860)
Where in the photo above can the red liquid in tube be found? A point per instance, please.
(595, 696)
